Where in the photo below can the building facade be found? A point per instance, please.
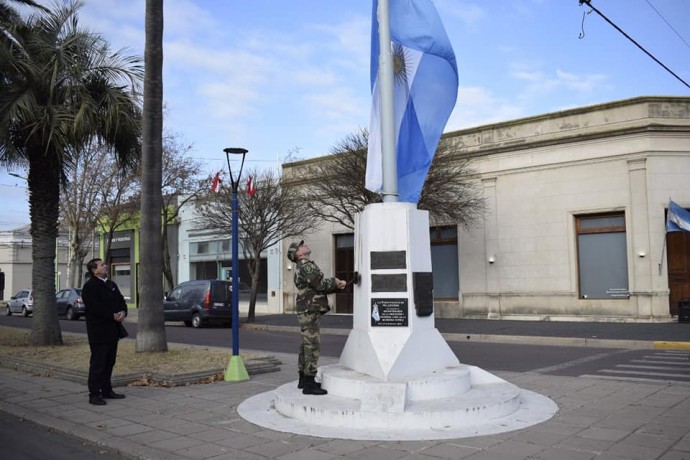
(16, 261)
(575, 221)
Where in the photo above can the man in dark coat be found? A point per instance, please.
(105, 310)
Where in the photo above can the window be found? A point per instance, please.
(602, 256)
(175, 294)
(444, 261)
(122, 275)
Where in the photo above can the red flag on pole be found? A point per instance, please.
(250, 187)
(216, 183)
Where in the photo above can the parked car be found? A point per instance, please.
(200, 302)
(69, 303)
(22, 302)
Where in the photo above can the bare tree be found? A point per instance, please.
(333, 186)
(265, 219)
(180, 185)
(79, 205)
(118, 199)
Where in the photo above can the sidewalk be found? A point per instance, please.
(597, 419)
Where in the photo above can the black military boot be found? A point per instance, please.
(300, 384)
(311, 387)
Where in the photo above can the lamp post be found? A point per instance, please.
(235, 371)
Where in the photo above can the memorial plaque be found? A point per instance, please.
(389, 313)
(423, 285)
(389, 283)
(383, 260)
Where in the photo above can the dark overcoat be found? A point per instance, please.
(102, 299)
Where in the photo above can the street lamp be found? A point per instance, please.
(235, 371)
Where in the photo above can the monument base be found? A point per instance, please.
(455, 402)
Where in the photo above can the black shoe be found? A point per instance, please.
(311, 387)
(112, 395)
(300, 383)
(97, 401)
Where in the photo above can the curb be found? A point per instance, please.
(515, 339)
(661, 345)
(257, 365)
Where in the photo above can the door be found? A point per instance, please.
(344, 269)
(62, 298)
(678, 253)
(171, 305)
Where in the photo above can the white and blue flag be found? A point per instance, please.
(678, 219)
(425, 91)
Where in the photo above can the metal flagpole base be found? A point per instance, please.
(235, 372)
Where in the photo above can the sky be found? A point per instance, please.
(290, 79)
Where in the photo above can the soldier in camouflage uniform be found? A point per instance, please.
(311, 304)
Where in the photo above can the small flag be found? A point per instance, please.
(216, 183)
(250, 187)
(678, 219)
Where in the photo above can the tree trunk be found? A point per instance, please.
(256, 275)
(44, 195)
(74, 262)
(167, 266)
(151, 332)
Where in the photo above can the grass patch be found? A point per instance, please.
(75, 353)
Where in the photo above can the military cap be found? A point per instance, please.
(294, 246)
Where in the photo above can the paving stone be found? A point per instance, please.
(176, 444)
(343, 447)
(634, 452)
(307, 454)
(603, 434)
(449, 451)
(557, 453)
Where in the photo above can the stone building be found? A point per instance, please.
(575, 222)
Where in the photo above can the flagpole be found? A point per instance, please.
(385, 82)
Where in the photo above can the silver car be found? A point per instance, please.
(22, 302)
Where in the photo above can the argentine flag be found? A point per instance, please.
(425, 91)
(678, 219)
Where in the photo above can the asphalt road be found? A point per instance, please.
(642, 365)
(23, 440)
(489, 356)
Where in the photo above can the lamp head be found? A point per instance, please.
(235, 150)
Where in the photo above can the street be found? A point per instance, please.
(24, 440)
(605, 363)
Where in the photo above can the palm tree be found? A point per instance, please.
(151, 333)
(60, 87)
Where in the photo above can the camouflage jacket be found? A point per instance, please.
(313, 286)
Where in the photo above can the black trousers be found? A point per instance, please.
(101, 365)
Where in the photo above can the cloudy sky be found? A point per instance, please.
(280, 77)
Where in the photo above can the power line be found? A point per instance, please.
(589, 3)
(667, 23)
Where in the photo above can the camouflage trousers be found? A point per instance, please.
(310, 347)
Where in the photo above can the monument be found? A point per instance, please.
(397, 378)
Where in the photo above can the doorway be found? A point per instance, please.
(344, 269)
(678, 253)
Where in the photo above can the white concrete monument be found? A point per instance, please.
(397, 378)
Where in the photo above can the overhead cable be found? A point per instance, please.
(589, 3)
(667, 23)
